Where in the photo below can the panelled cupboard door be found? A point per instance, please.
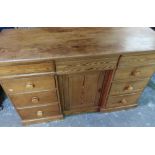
(81, 90)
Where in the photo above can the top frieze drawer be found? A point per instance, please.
(137, 60)
(85, 64)
(27, 68)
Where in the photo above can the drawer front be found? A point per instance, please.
(124, 100)
(87, 64)
(30, 84)
(26, 68)
(128, 87)
(137, 60)
(134, 73)
(39, 112)
(34, 99)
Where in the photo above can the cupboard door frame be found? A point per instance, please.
(103, 87)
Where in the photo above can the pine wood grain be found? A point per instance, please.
(29, 84)
(34, 99)
(48, 72)
(127, 73)
(81, 90)
(127, 87)
(122, 100)
(32, 113)
(52, 43)
(28, 68)
(86, 64)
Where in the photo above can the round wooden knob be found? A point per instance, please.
(129, 88)
(135, 73)
(39, 113)
(124, 101)
(35, 100)
(10, 90)
(30, 85)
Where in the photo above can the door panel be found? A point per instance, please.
(76, 90)
(81, 90)
(92, 88)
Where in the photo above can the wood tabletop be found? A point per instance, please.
(53, 43)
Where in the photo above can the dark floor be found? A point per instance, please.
(143, 115)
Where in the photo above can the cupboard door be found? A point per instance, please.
(81, 90)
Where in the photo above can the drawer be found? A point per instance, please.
(134, 73)
(26, 68)
(137, 60)
(85, 64)
(123, 100)
(30, 84)
(39, 112)
(127, 87)
(34, 99)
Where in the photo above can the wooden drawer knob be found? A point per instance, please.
(10, 90)
(123, 101)
(40, 113)
(135, 73)
(30, 85)
(35, 100)
(128, 88)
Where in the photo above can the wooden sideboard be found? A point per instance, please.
(51, 72)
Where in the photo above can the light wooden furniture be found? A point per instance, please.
(51, 72)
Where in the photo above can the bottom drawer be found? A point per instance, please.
(124, 100)
(39, 112)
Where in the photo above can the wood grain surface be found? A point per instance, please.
(52, 43)
(44, 70)
(29, 84)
